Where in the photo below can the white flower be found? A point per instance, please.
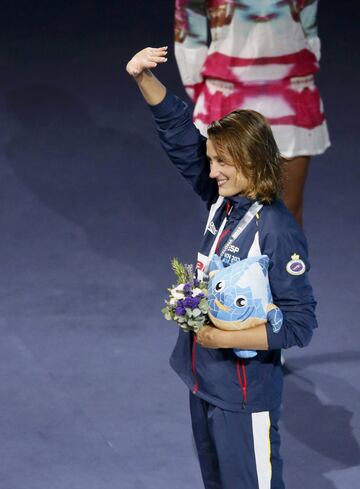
(173, 301)
(196, 292)
(177, 292)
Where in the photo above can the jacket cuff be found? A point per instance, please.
(165, 106)
(275, 340)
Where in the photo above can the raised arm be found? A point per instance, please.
(179, 137)
(139, 68)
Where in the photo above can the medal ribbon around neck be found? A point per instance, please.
(249, 216)
(246, 219)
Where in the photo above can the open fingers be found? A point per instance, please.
(158, 59)
(156, 51)
(146, 58)
(156, 55)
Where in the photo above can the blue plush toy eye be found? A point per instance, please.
(220, 285)
(240, 301)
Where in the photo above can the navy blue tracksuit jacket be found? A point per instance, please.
(235, 402)
(217, 375)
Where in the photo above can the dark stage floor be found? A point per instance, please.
(90, 215)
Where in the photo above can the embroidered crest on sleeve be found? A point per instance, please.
(295, 266)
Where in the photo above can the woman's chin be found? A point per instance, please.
(226, 192)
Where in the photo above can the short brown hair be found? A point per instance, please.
(246, 137)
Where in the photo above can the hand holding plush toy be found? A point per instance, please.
(239, 296)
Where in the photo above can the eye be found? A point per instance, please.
(219, 286)
(240, 301)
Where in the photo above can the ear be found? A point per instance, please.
(215, 264)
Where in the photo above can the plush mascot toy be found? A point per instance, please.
(240, 297)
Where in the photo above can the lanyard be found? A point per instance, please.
(246, 219)
(249, 216)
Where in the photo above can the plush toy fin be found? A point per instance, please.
(275, 318)
(264, 263)
(245, 353)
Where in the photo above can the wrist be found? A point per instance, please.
(139, 77)
(222, 338)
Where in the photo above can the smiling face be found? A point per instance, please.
(230, 179)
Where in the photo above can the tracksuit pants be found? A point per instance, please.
(236, 450)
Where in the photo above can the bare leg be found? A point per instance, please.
(296, 170)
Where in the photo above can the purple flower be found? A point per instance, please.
(180, 308)
(196, 282)
(191, 302)
(187, 289)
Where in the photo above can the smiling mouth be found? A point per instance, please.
(221, 182)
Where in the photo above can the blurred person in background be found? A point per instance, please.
(260, 55)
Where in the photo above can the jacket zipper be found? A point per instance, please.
(240, 370)
(196, 385)
(241, 375)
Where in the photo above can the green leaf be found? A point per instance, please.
(179, 270)
(196, 312)
(204, 306)
(189, 312)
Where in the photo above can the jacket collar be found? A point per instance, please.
(239, 203)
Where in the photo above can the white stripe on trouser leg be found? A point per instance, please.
(262, 447)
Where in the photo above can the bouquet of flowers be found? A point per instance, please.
(187, 302)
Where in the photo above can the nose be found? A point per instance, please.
(214, 170)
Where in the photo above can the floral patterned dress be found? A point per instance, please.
(254, 54)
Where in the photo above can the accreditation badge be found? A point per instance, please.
(295, 266)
